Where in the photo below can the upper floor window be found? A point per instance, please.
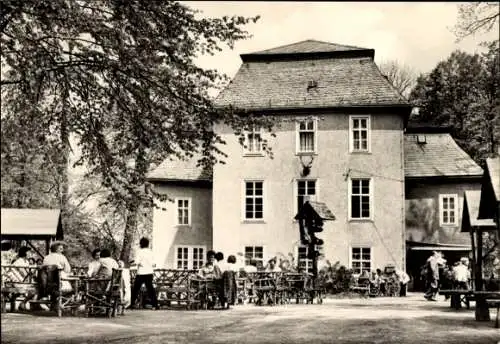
(448, 210)
(254, 200)
(190, 257)
(306, 136)
(361, 259)
(256, 253)
(253, 142)
(359, 129)
(183, 211)
(360, 197)
(306, 191)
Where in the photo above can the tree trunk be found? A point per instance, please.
(63, 168)
(130, 230)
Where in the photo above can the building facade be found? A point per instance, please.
(339, 141)
(437, 175)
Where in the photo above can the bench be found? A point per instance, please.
(458, 296)
(484, 301)
(19, 283)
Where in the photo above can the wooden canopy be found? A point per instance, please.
(315, 209)
(31, 224)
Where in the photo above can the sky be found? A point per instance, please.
(414, 33)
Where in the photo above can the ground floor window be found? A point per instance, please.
(304, 263)
(361, 259)
(190, 257)
(254, 252)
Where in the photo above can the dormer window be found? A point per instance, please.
(253, 142)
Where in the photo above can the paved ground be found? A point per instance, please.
(356, 321)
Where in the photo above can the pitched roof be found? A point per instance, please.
(179, 170)
(283, 83)
(493, 165)
(308, 46)
(490, 190)
(438, 156)
(471, 212)
(30, 222)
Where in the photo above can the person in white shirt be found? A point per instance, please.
(95, 263)
(56, 257)
(107, 264)
(219, 257)
(271, 266)
(145, 265)
(403, 281)
(461, 274)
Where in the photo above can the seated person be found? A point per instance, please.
(18, 275)
(271, 266)
(107, 264)
(210, 269)
(56, 257)
(95, 264)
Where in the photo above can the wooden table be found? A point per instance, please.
(457, 296)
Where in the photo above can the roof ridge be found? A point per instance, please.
(333, 45)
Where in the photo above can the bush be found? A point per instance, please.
(335, 278)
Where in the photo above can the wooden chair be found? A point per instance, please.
(265, 288)
(103, 294)
(52, 290)
(173, 287)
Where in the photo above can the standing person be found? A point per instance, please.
(145, 265)
(403, 281)
(21, 261)
(461, 274)
(219, 261)
(95, 263)
(432, 276)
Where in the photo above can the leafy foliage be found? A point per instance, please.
(476, 17)
(463, 92)
(120, 76)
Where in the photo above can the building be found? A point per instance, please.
(340, 141)
(438, 173)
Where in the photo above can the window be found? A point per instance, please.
(190, 257)
(360, 198)
(254, 252)
(306, 136)
(448, 210)
(360, 133)
(304, 263)
(253, 142)
(361, 259)
(254, 200)
(306, 190)
(183, 211)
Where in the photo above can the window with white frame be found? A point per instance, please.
(306, 136)
(360, 197)
(361, 259)
(253, 142)
(304, 263)
(254, 200)
(190, 257)
(306, 191)
(183, 211)
(360, 133)
(256, 253)
(448, 210)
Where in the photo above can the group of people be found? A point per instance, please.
(437, 273)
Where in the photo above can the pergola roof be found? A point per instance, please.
(318, 209)
(471, 211)
(30, 224)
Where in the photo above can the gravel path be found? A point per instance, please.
(376, 320)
